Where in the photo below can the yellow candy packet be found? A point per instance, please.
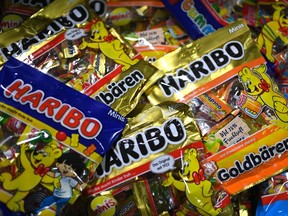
(44, 25)
(78, 48)
(248, 143)
(153, 133)
(161, 147)
(14, 12)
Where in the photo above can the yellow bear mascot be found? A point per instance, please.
(198, 189)
(36, 165)
(108, 45)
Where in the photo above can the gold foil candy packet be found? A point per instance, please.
(81, 50)
(155, 146)
(141, 197)
(190, 69)
(154, 133)
(14, 12)
(43, 25)
(122, 90)
(232, 70)
(161, 146)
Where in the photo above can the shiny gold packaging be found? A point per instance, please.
(122, 90)
(197, 67)
(227, 65)
(159, 153)
(78, 48)
(13, 13)
(154, 133)
(43, 25)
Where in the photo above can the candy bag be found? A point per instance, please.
(249, 12)
(14, 12)
(140, 197)
(144, 22)
(153, 146)
(228, 10)
(167, 123)
(228, 76)
(272, 34)
(42, 128)
(198, 18)
(43, 26)
(79, 57)
(133, 16)
(274, 195)
(63, 121)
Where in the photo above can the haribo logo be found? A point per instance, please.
(141, 145)
(200, 68)
(76, 15)
(69, 117)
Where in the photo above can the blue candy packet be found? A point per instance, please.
(198, 18)
(88, 126)
(274, 196)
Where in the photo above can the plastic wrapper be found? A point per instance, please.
(82, 56)
(227, 9)
(43, 26)
(272, 33)
(273, 196)
(14, 12)
(249, 11)
(154, 195)
(133, 16)
(147, 25)
(198, 18)
(234, 100)
(42, 128)
(158, 122)
(86, 54)
(156, 143)
(141, 197)
(201, 196)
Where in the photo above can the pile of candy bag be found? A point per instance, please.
(158, 107)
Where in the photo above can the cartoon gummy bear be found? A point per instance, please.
(109, 45)
(273, 31)
(258, 85)
(198, 189)
(35, 165)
